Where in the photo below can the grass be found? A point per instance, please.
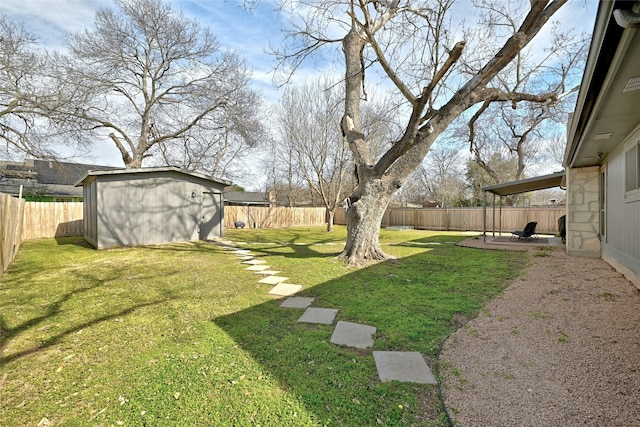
(182, 335)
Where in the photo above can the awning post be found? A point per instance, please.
(500, 218)
(493, 223)
(484, 217)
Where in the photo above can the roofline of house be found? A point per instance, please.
(604, 42)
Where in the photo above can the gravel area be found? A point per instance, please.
(560, 347)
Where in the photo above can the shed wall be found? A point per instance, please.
(90, 216)
(143, 209)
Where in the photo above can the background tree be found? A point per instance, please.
(146, 75)
(322, 157)
(442, 175)
(439, 73)
(27, 94)
(320, 152)
(218, 149)
(283, 179)
(477, 176)
(505, 133)
(439, 179)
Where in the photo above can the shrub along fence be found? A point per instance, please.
(11, 214)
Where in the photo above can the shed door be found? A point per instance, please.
(211, 216)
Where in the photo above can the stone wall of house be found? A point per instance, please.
(583, 211)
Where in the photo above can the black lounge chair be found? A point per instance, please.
(529, 232)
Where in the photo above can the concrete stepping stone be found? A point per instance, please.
(227, 247)
(405, 366)
(297, 302)
(258, 267)
(254, 262)
(267, 272)
(285, 289)
(353, 335)
(246, 257)
(242, 251)
(318, 315)
(273, 280)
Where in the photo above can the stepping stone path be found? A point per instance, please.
(258, 268)
(273, 280)
(297, 302)
(285, 290)
(267, 272)
(353, 335)
(391, 365)
(255, 262)
(319, 315)
(408, 366)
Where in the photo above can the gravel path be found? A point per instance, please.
(561, 347)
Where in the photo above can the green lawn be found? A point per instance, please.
(183, 335)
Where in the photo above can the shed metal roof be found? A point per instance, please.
(525, 185)
(133, 171)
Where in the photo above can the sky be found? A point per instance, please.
(250, 33)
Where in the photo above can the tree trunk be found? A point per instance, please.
(330, 215)
(136, 162)
(363, 224)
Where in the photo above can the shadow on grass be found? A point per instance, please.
(7, 333)
(57, 308)
(73, 240)
(414, 303)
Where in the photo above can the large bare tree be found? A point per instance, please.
(440, 73)
(147, 75)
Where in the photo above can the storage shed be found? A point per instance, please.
(130, 207)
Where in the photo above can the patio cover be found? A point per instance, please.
(557, 179)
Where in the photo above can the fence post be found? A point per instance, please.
(3, 210)
(446, 219)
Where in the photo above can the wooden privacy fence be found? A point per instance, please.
(11, 214)
(52, 219)
(273, 217)
(468, 219)
(65, 218)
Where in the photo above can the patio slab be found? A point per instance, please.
(405, 366)
(258, 267)
(254, 262)
(273, 280)
(285, 289)
(318, 315)
(297, 302)
(353, 335)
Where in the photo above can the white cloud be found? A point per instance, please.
(49, 20)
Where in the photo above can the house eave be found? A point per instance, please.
(604, 113)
